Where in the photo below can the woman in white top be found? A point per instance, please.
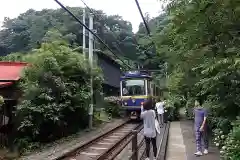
(160, 111)
(148, 115)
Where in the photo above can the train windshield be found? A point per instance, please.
(132, 87)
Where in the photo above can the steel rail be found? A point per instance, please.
(85, 145)
(112, 152)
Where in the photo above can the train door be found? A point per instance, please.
(146, 87)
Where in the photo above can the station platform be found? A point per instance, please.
(181, 143)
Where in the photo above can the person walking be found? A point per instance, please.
(200, 125)
(148, 115)
(160, 111)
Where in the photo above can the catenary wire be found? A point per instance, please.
(79, 21)
(114, 35)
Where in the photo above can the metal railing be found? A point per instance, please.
(137, 146)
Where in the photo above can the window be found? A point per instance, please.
(133, 87)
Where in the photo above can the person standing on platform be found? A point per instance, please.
(160, 111)
(200, 125)
(148, 115)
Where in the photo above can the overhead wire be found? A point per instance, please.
(114, 34)
(146, 25)
(95, 35)
(144, 21)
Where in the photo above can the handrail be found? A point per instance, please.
(133, 138)
(136, 147)
(136, 150)
(123, 143)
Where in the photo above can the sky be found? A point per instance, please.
(125, 8)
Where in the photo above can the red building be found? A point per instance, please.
(10, 73)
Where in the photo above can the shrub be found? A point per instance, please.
(172, 108)
(172, 113)
(219, 138)
(229, 143)
(56, 93)
(231, 146)
(112, 106)
(189, 109)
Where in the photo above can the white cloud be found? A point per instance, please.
(125, 8)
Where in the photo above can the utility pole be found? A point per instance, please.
(91, 65)
(84, 32)
(166, 74)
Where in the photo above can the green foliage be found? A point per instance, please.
(56, 93)
(112, 106)
(147, 55)
(172, 113)
(172, 107)
(32, 28)
(229, 144)
(201, 44)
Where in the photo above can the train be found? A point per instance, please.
(135, 88)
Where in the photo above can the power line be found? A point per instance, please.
(114, 35)
(146, 25)
(79, 21)
(144, 21)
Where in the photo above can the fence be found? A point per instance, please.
(133, 139)
(135, 155)
(136, 147)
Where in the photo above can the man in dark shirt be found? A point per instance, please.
(200, 128)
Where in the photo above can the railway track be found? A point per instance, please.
(105, 147)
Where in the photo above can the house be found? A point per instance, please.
(111, 72)
(10, 73)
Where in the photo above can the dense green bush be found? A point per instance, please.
(172, 113)
(189, 109)
(229, 144)
(172, 107)
(55, 93)
(200, 43)
(112, 106)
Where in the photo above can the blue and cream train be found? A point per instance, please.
(135, 88)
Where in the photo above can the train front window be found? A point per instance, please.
(133, 87)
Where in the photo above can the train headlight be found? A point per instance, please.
(125, 103)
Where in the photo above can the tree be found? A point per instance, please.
(29, 29)
(201, 46)
(56, 93)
